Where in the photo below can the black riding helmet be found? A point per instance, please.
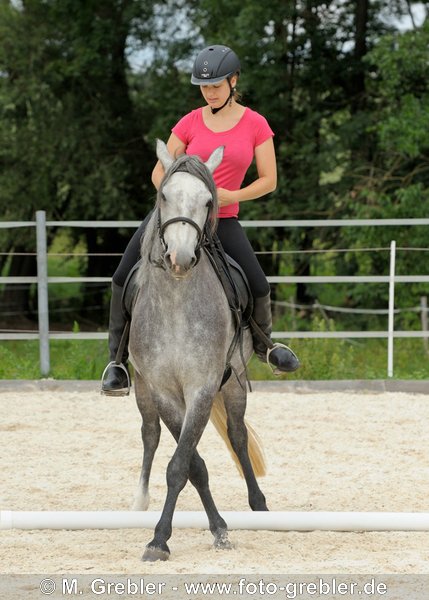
(214, 64)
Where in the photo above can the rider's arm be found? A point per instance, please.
(266, 182)
(175, 146)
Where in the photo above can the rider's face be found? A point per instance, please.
(216, 94)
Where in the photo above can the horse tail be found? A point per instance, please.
(256, 454)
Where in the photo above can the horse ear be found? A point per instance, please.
(215, 159)
(163, 154)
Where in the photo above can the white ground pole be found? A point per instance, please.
(269, 521)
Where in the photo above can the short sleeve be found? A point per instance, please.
(262, 130)
(183, 128)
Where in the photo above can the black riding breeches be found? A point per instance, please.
(234, 241)
(131, 254)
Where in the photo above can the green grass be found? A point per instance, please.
(351, 359)
(320, 359)
(69, 359)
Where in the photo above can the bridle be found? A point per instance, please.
(201, 233)
(195, 167)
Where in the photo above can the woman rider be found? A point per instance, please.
(245, 135)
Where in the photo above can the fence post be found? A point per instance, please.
(42, 293)
(424, 317)
(391, 323)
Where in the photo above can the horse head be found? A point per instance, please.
(187, 204)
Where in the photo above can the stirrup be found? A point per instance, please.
(274, 369)
(116, 392)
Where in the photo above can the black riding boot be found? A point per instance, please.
(115, 380)
(278, 356)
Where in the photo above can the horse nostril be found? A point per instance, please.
(179, 262)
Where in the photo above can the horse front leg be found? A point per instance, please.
(151, 431)
(199, 478)
(186, 463)
(177, 476)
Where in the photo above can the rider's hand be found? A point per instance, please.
(225, 197)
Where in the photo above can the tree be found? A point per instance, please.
(348, 105)
(394, 180)
(71, 142)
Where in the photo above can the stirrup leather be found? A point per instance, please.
(274, 369)
(116, 392)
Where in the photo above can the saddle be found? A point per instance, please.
(233, 280)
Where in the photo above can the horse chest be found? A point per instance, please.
(181, 318)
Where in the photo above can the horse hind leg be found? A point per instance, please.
(233, 401)
(150, 431)
(150, 436)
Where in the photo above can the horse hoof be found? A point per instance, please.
(222, 542)
(260, 507)
(223, 545)
(153, 553)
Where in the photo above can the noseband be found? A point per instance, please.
(185, 221)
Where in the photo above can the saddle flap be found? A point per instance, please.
(233, 279)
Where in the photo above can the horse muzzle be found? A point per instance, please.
(179, 263)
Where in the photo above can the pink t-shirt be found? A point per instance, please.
(240, 143)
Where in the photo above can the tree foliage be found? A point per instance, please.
(86, 87)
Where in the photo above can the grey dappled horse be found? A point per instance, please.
(181, 331)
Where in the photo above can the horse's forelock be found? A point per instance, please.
(194, 166)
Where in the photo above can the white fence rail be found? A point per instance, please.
(43, 280)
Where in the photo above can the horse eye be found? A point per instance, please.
(209, 203)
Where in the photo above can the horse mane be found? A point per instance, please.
(148, 237)
(192, 164)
